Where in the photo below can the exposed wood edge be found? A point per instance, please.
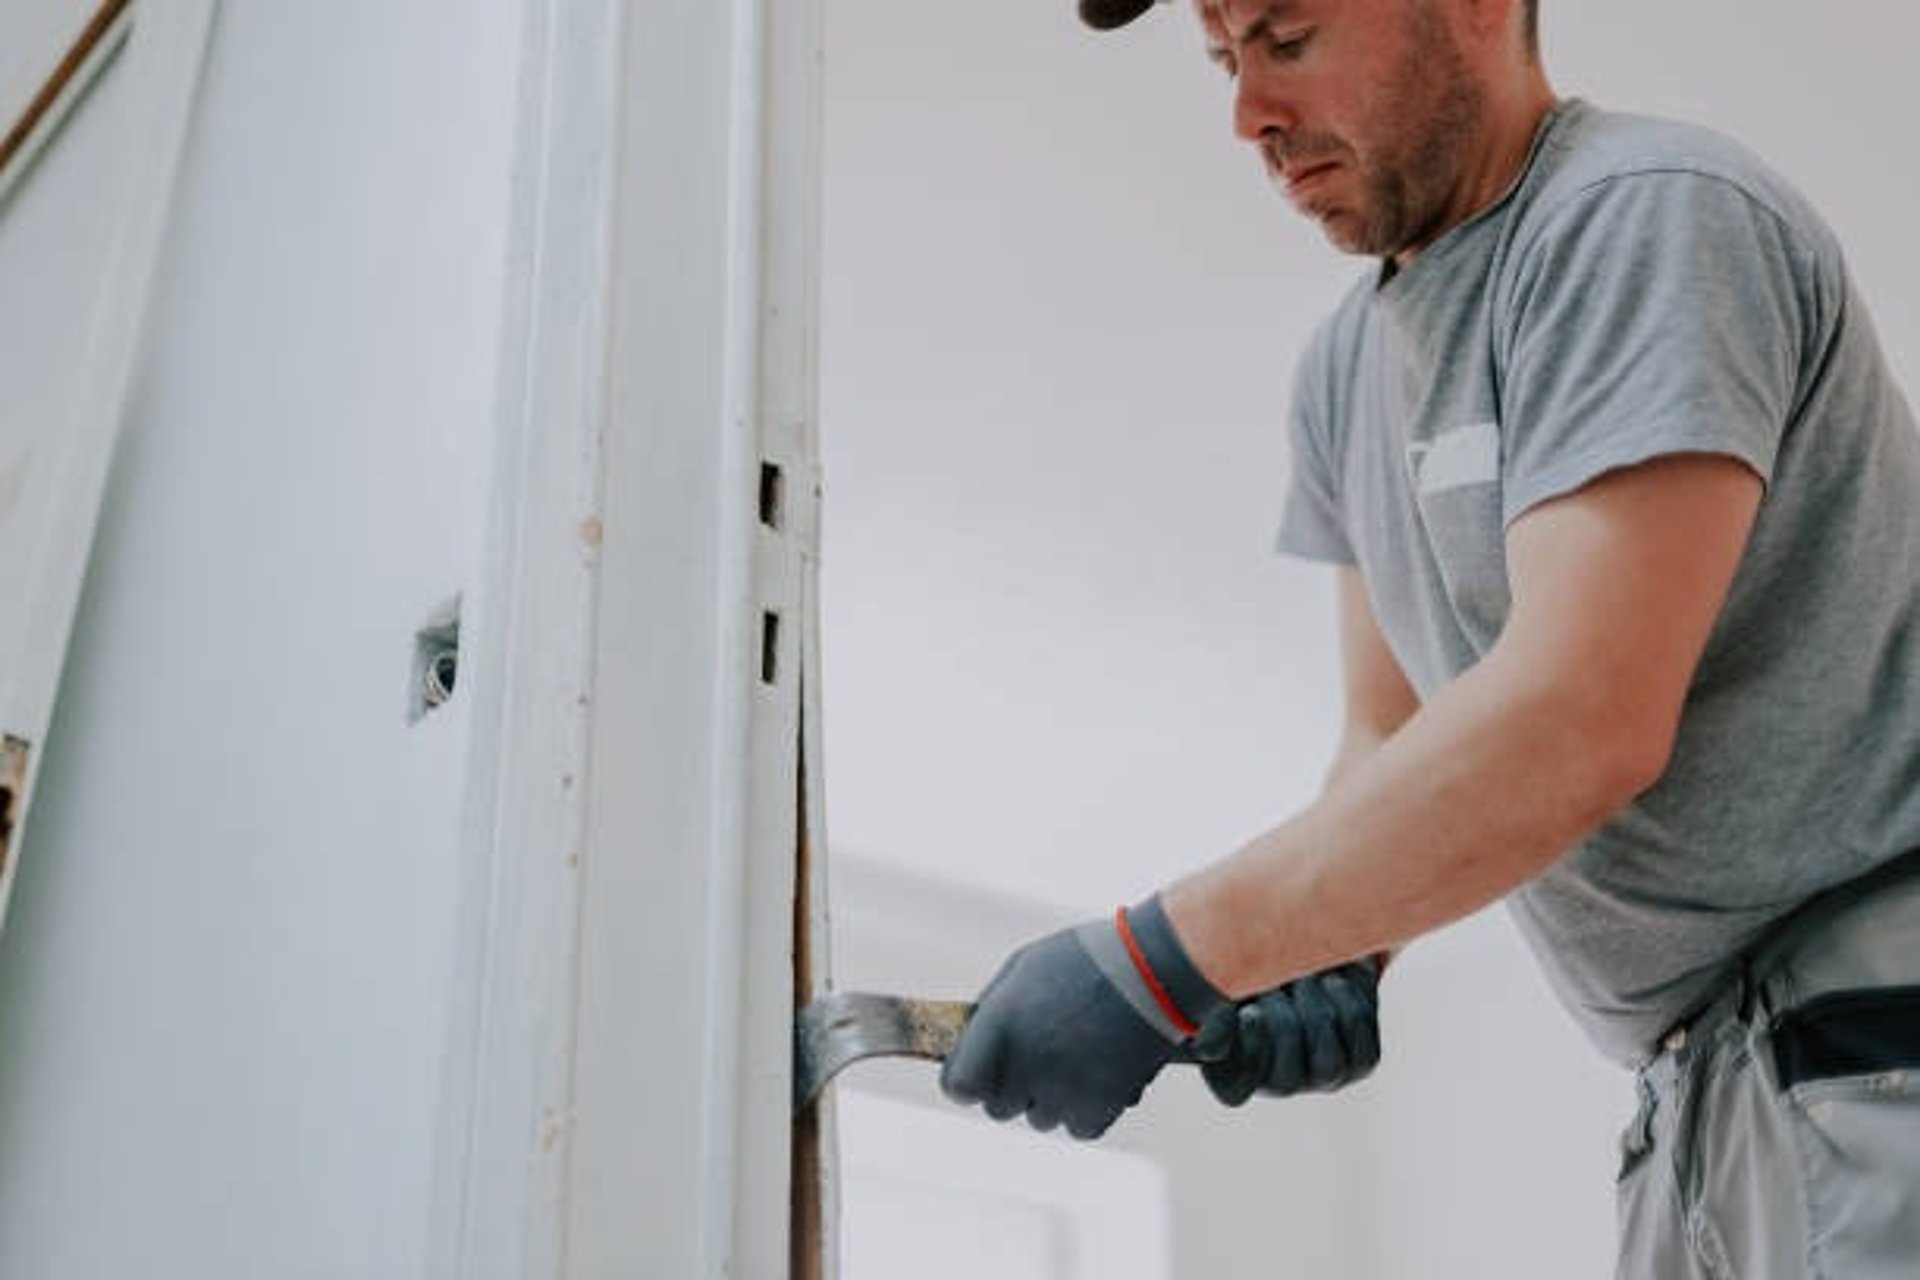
(89, 42)
(806, 1227)
(814, 1219)
(814, 1224)
(14, 757)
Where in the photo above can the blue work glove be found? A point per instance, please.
(1317, 1033)
(1074, 1027)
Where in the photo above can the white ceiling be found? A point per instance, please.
(1061, 310)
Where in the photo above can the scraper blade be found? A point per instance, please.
(837, 1030)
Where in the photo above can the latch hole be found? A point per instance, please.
(436, 662)
(442, 670)
(773, 497)
(769, 648)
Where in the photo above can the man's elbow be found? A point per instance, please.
(1592, 743)
(1623, 755)
(1593, 724)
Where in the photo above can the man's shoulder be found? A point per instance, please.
(1592, 143)
(1591, 154)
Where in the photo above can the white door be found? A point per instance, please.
(95, 109)
(942, 1195)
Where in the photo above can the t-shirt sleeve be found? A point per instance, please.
(1312, 524)
(1656, 313)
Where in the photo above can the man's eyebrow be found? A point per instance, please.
(1278, 11)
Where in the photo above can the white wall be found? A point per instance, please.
(1061, 314)
(224, 989)
(1247, 1190)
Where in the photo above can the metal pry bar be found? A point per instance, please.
(839, 1029)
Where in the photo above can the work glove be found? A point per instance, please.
(1074, 1027)
(1317, 1033)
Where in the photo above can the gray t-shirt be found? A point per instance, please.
(1646, 288)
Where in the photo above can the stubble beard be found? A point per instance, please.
(1424, 134)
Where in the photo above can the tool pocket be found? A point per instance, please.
(1849, 1062)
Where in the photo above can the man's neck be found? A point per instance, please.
(1513, 124)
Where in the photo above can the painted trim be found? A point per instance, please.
(503, 1145)
(680, 1158)
(681, 1105)
(795, 1219)
(616, 1087)
(654, 1160)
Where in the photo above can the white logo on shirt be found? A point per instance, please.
(1457, 458)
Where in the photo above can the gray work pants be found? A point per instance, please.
(1779, 1130)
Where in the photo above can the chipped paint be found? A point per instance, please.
(13, 481)
(14, 756)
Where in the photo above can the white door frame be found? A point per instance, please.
(617, 1087)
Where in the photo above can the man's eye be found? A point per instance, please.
(1287, 48)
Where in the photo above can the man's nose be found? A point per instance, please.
(1257, 111)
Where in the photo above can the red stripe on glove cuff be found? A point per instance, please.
(1181, 1022)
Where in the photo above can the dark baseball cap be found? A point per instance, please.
(1105, 15)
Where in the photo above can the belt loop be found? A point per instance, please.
(1768, 989)
(1640, 1132)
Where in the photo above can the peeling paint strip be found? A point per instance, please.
(14, 755)
(56, 84)
(90, 48)
(13, 481)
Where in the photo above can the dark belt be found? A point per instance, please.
(1852, 1031)
(1848, 1033)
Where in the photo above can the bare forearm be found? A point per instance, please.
(1477, 793)
(1356, 747)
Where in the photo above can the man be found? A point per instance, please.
(1627, 509)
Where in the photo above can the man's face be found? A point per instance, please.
(1364, 111)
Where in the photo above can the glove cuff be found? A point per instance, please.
(1166, 968)
(1141, 955)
